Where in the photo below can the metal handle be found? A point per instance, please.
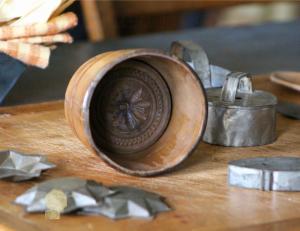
(195, 56)
(236, 82)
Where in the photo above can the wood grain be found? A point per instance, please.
(99, 19)
(185, 126)
(101, 16)
(197, 191)
(142, 7)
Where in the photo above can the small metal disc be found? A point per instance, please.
(266, 173)
(290, 110)
(132, 105)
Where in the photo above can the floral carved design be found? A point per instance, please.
(130, 111)
(133, 108)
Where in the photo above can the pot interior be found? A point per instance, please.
(147, 113)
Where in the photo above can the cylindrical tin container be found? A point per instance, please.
(238, 115)
(141, 111)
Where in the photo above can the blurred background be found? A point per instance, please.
(258, 37)
(106, 19)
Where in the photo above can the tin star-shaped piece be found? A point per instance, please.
(86, 197)
(80, 193)
(129, 202)
(16, 166)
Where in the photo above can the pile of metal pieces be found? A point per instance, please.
(241, 116)
(88, 197)
(84, 197)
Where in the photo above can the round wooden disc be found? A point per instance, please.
(132, 106)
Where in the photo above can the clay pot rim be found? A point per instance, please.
(135, 53)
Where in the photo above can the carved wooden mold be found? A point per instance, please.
(141, 111)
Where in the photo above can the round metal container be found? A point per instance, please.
(141, 111)
(266, 173)
(238, 115)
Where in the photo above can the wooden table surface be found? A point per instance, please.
(197, 191)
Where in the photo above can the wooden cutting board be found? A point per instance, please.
(197, 191)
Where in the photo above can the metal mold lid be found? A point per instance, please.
(266, 173)
(238, 92)
(133, 107)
